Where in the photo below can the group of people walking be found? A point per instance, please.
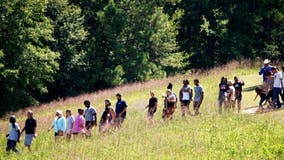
(230, 95)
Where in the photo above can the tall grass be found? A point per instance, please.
(209, 136)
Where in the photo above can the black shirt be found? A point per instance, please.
(30, 126)
(238, 86)
(223, 87)
(152, 102)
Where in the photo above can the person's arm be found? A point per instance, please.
(147, 106)
(180, 95)
(255, 96)
(23, 129)
(19, 135)
(51, 127)
(190, 94)
(95, 116)
(261, 71)
(202, 96)
(124, 110)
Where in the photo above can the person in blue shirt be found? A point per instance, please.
(120, 110)
(263, 71)
(59, 125)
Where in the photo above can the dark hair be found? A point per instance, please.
(68, 111)
(118, 94)
(13, 121)
(170, 86)
(80, 111)
(87, 102)
(223, 79)
(196, 80)
(258, 90)
(186, 82)
(268, 74)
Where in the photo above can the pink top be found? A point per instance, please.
(79, 124)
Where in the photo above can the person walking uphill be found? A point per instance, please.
(13, 136)
(263, 71)
(152, 107)
(238, 85)
(120, 110)
(108, 116)
(90, 116)
(277, 86)
(30, 129)
(198, 96)
(185, 96)
(223, 87)
(59, 125)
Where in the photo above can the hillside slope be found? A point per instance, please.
(209, 136)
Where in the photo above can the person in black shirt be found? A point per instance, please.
(152, 107)
(238, 85)
(120, 110)
(223, 87)
(30, 129)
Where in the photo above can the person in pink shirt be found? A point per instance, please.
(79, 123)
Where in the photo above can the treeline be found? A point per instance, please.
(59, 48)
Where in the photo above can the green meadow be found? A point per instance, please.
(208, 136)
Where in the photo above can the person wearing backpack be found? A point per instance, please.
(185, 97)
(14, 135)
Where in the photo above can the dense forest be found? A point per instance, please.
(58, 48)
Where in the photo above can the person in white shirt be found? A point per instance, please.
(277, 87)
(230, 95)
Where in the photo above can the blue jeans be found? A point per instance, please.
(276, 92)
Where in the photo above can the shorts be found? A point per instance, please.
(239, 97)
(29, 139)
(119, 120)
(185, 102)
(221, 97)
(89, 124)
(69, 131)
(262, 99)
(196, 105)
(151, 112)
(11, 145)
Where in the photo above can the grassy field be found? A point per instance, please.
(208, 136)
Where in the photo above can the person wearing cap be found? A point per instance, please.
(263, 71)
(14, 135)
(277, 87)
(30, 129)
(59, 125)
(79, 123)
(108, 116)
(90, 116)
(120, 110)
(170, 105)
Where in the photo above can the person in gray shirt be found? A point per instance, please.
(198, 97)
(90, 115)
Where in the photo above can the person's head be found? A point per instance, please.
(236, 78)
(68, 113)
(170, 86)
(169, 92)
(196, 82)
(80, 111)
(152, 94)
(107, 102)
(230, 83)
(58, 113)
(224, 79)
(87, 103)
(12, 120)
(273, 69)
(118, 96)
(185, 82)
(268, 75)
(257, 89)
(266, 62)
(30, 114)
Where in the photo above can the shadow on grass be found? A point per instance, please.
(251, 88)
